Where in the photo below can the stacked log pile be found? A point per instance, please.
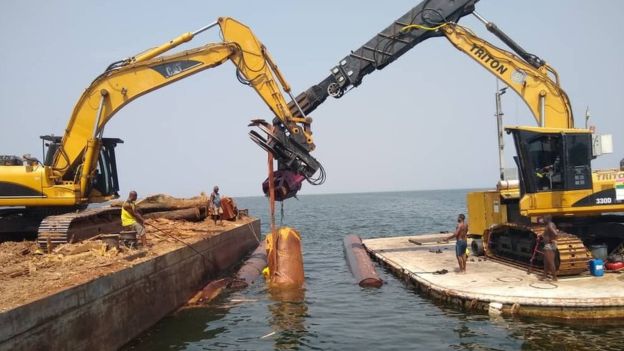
(194, 209)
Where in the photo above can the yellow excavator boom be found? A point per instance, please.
(68, 178)
(538, 87)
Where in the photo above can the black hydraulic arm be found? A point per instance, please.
(532, 59)
(383, 49)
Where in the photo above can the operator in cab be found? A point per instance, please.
(131, 219)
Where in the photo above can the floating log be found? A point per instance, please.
(360, 264)
(285, 260)
(189, 214)
(252, 268)
(210, 291)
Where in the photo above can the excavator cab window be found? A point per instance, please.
(105, 177)
(553, 161)
(52, 143)
(578, 156)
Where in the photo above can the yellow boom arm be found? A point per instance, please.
(547, 101)
(127, 80)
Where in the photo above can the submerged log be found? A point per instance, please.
(360, 264)
(252, 268)
(285, 260)
(210, 291)
(189, 214)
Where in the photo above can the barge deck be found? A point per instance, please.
(493, 286)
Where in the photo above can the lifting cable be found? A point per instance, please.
(271, 193)
(271, 244)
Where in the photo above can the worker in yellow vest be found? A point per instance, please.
(131, 219)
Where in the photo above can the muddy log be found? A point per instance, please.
(210, 291)
(360, 264)
(189, 214)
(285, 260)
(252, 268)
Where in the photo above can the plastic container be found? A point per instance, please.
(596, 267)
(599, 251)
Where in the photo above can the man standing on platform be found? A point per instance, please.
(215, 205)
(461, 234)
(131, 219)
(550, 248)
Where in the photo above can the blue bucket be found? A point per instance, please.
(596, 267)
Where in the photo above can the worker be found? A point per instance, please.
(550, 248)
(131, 219)
(215, 205)
(460, 234)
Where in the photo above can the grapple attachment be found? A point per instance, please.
(294, 162)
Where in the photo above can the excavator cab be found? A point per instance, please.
(105, 179)
(553, 159)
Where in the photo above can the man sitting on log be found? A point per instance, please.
(131, 219)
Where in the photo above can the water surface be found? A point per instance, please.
(333, 313)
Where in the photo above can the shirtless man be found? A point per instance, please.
(460, 235)
(550, 248)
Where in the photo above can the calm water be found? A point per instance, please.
(335, 314)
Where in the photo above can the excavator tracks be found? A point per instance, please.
(77, 226)
(516, 245)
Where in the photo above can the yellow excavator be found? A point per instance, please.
(79, 168)
(553, 158)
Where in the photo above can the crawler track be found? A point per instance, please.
(76, 226)
(515, 245)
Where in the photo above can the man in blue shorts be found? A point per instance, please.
(461, 233)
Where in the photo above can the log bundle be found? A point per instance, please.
(194, 209)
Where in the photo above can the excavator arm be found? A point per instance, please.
(290, 138)
(528, 75)
(383, 49)
(548, 102)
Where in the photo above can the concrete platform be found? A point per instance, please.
(107, 312)
(486, 281)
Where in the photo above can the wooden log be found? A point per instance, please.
(189, 214)
(252, 268)
(210, 291)
(285, 260)
(17, 272)
(360, 264)
(162, 202)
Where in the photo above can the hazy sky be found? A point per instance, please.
(424, 122)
